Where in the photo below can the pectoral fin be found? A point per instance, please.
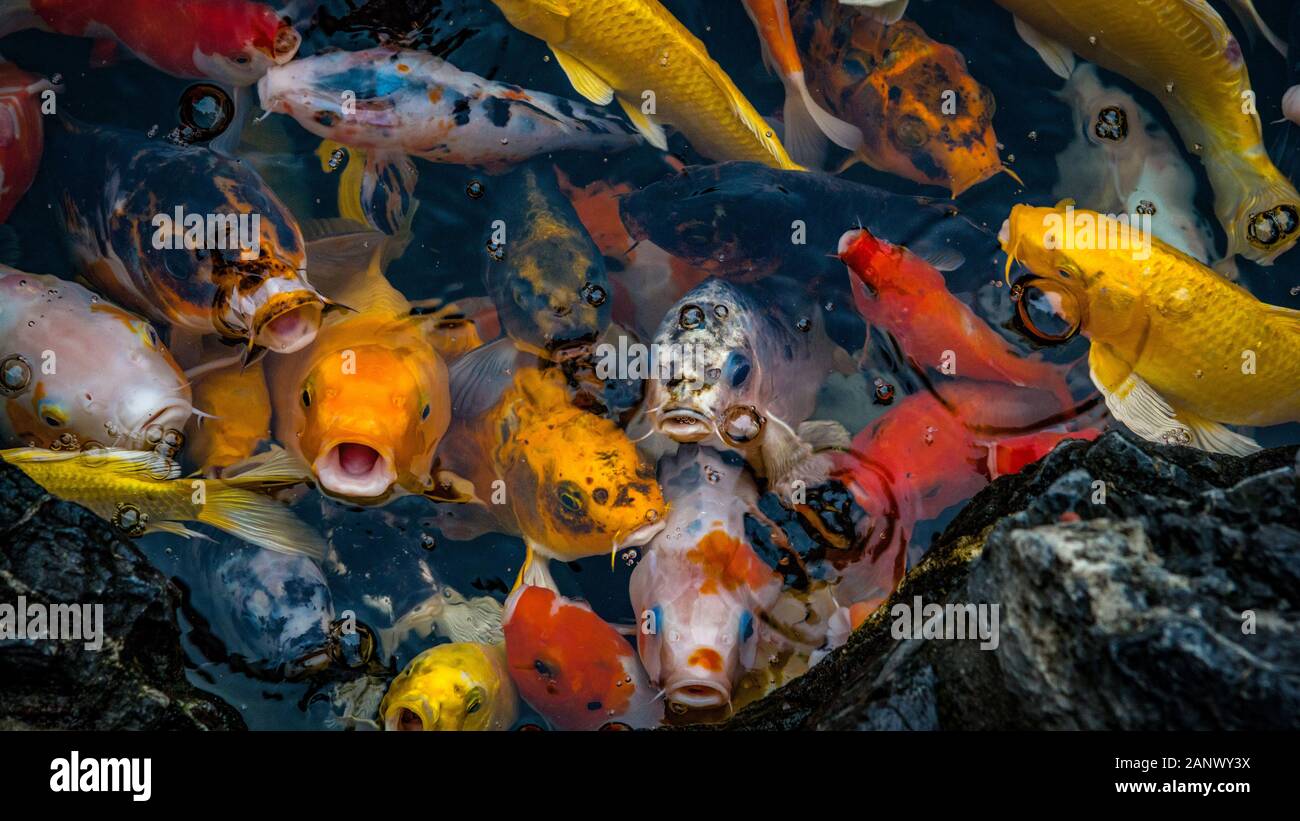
(652, 131)
(799, 461)
(1058, 57)
(536, 570)
(585, 81)
(1141, 409)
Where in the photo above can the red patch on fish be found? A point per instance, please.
(727, 564)
(707, 659)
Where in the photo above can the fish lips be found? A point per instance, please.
(643, 534)
(288, 322)
(682, 423)
(355, 469)
(697, 693)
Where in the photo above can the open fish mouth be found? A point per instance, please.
(288, 321)
(697, 694)
(684, 424)
(354, 469)
(287, 41)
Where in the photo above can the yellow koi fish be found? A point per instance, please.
(622, 49)
(462, 686)
(141, 492)
(1177, 350)
(1182, 52)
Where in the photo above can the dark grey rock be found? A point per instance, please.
(1123, 615)
(54, 552)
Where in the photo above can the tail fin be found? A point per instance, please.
(259, 519)
(808, 125)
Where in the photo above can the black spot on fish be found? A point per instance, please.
(498, 111)
(461, 111)
(564, 107)
(593, 705)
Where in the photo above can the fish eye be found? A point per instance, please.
(242, 59)
(911, 132)
(474, 701)
(424, 414)
(53, 415)
(306, 397)
(570, 496)
(738, 369)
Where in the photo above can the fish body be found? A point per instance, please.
(898, 292)
(366, 403)
(232, 264)
(232, 41)
(79, 371)
(618, 49)
(446, 612)
(141, 492)
(238, 421)
(412, 103)
(728, 363)
(1123, 162)
(457, 686)
(22, 131)
(571, 666)
(550, 289)
(722, 218)
(575, 485)
(700, 591)
(921, 114)
(1182, 52)
(807, 124)
(1177, 350)
(930, 452)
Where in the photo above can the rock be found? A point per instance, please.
(1130, 610)
(55, 552)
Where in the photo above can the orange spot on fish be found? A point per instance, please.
(706, 658)
(727, 564)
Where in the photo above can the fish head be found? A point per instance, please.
(268, 301)
(699, 607)
(552, 291)
(707, 371)
(569, 664)
(578, 485)
(880, 270)
(447, 687)
(697, 214)
(342, 95)
(369, 418)
(542, 20)
(84, 371)
(242, 41)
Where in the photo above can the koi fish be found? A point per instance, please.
(238, 416)
(720, 219)
(1123, 162)
(898, 292)
(1177, 351)
(77, 371)
(411, 104)
(22, 130)
(550, 288)
(142, 492)
(700, 591)
(232, 41)
(571, 666)
(926, 454)
(893, 82)
(366, 403)
(575, 484)
(232, 264)
(616, 49)
(445, 611)
(728, 361)
(458, 686)
(807, 124)
(1182, 52)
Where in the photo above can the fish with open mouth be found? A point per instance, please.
(921, 114)
(522, 455)
(231, 41)
(219, 255)
(700, 591)
(728, 363)
(1183, 53)
(366, 403)
(1177, 351)
(456, 686)
(77, 371)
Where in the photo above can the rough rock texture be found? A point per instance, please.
(1126, 614)
(55, 552)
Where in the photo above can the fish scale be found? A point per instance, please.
(637, 46)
